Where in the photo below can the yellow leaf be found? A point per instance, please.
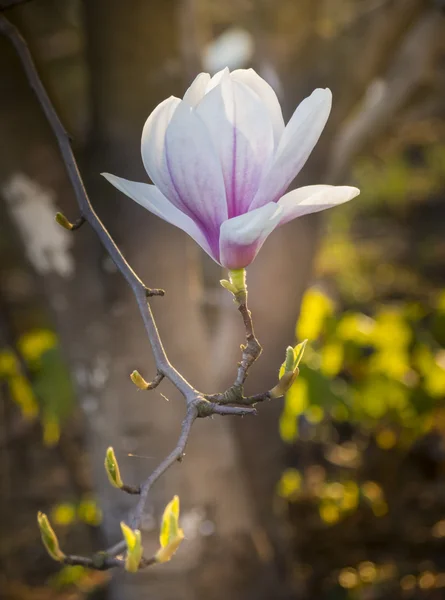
(331, 358)
(8, 363)
(290, 483)
(63, 514)
(169, 525)
(133, 541)
(51, 430)
(34, 343)
(171, 535)
(22, 394)
(315, 308)
(165, 554)
(138, 380)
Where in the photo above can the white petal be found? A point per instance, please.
(196, 91)
(268, 96)
(153, 146)
(297, 142)
(241, 131)
(313, 198)
(242, 237)
(217, 79)
(151, 198)
(194, 169)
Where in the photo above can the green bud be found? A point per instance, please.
(139, 381)
(63, 221)
(237, 284)
(132, 539)
(290, 359)
(49, 538)
(112, 469)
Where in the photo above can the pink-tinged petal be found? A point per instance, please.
(152, 199)
(196, 91)
(297, 142)
(241, 130)
(153, 146)
(242, 237)
(256, 83)
(195, 170)
(313, 198)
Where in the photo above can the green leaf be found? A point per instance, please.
(299, 351)
(293, 358)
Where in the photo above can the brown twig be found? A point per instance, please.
(252, 349)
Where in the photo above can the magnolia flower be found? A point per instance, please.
(221, 160)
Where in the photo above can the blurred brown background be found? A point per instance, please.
(337, 492)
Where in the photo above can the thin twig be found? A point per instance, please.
(78, 223)
(100, 562)
(175, 455)
(155, 381)
(252, 349)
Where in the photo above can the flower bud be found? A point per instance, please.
(132, 539)
(112, 469)
(49, 538)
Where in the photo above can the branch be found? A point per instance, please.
(197, 405)
(140, 291)
(176, 454)
(252, 349)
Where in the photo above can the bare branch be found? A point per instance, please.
(252, 349)
(100, 562)
(175, 455)
(87, 212)
(197, 405)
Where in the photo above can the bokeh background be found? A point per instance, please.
(336, 492)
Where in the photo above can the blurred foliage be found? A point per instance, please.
(365, 419)
(38, 380)
(385, 370)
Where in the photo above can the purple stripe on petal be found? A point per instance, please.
(195, 170)
(241, 130)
